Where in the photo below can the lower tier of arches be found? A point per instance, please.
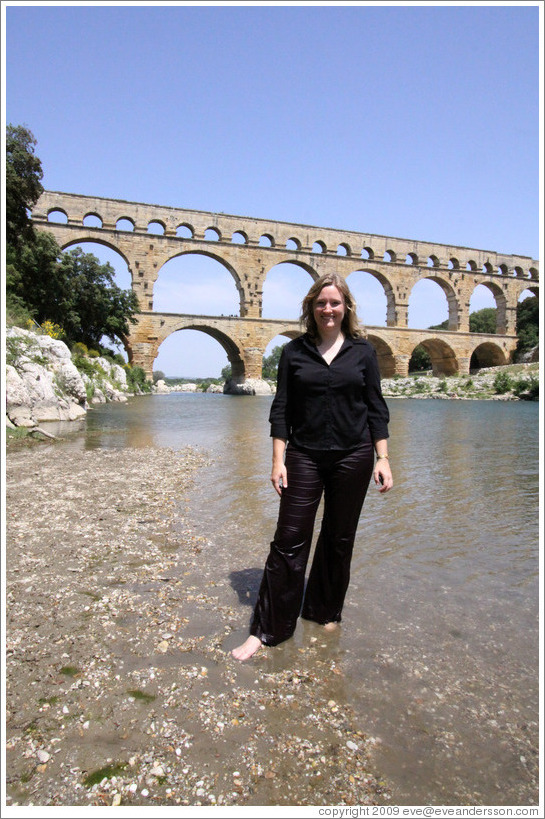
(245, 341)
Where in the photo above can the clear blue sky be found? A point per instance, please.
(417, 121)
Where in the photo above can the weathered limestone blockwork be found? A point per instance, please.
(398, 264)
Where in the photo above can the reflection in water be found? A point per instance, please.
(438, 647)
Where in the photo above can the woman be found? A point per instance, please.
(327, 417)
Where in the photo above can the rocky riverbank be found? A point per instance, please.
(44, 384)
(120, 688)
(512, 382)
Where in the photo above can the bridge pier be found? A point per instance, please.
(402, 365)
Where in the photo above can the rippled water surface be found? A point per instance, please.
(439, 644)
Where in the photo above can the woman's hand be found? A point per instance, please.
(279, 474)
(383, 475)
(279, 477)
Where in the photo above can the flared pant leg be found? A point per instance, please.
(345, 488)
(282, 586)
(343, 478)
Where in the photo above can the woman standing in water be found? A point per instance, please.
(328, 419)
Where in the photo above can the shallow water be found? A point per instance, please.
(438, 650)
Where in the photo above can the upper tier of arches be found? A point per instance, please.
(119, 215)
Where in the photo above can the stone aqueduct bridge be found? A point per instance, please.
(249, 248)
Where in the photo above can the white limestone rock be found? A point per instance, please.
(250, 386)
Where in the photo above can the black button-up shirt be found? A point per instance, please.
(328, 406)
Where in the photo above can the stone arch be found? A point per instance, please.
(90, 216)
(217, 258)
(385, 355)
(530, 288)
(232, 349)
(56, 212)
(288, 332)
(388, 291)
(293, 243)
(501, 304)
(442, 356)
(185, 231)
(487, 354)
(269, 297)
(97, 241)
(156, 227)
(212, 234)
(453, 304)
(120, 224)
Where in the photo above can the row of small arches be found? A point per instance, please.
(213, 234)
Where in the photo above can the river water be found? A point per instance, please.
(439, 643)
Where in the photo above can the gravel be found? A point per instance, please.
(119, 690)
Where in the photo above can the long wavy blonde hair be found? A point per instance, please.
(350, 324)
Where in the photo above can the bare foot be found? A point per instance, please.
(247, 649)
(330, 626)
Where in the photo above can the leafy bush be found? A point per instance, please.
(18, 347)
(85, 365)
(527, 387)
(49, 328)
(79, 349)
(503, 383)
(136, 379)
(18, 314)
(90, 391)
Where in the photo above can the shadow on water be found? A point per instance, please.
(245, 583)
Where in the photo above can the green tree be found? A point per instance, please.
(23, 183)
(419, 360)
(73, 289)
(483, 321)
(70, 289)
(92, 305)
(33, 276)
(527, 324)
(270, 363)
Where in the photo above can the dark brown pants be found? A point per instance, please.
(343, 479)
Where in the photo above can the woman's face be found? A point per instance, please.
(329, 309)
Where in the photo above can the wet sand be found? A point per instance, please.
(120, 688)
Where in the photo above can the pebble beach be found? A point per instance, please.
(120, 687)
